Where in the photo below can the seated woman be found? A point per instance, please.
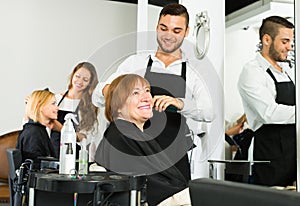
(126, 149)
(33, 141)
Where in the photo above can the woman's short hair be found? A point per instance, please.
(36, 101)
(118, 92)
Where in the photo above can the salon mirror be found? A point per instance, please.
(241, 44)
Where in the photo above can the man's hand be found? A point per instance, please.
(161, 102)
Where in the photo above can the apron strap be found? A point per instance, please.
(65, 94)
(183, 71)
(149, 65)
(272, 75)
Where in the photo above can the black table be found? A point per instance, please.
(92, 189)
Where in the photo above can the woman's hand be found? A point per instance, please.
(80, 136)
(236, 129)
(26, 99)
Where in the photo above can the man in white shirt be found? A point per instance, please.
(268, 94)
(178, 91)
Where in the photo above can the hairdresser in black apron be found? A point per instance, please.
(277, 143)
(169, 127)
(55, 135)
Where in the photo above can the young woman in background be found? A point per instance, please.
(77, 100)
(33, 141)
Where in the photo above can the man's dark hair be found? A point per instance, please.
(271, 26)
(175, 10)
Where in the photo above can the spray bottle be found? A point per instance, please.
(67, 156)
(83, 158)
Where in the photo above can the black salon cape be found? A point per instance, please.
(126, 149)
(34, 142)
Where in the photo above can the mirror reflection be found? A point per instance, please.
(259, 62)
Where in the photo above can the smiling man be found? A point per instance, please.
(268, 94)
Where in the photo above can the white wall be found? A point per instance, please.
(211, 67)
(153, 13)
(216, 13)
(240, 47)
(41, 41)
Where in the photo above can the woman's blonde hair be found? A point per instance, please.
(36, 101)
(118, 92)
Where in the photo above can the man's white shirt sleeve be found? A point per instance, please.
(258, 93)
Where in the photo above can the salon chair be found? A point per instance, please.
(14, 159)
(18, 176)
(7, 140)
(214, 192)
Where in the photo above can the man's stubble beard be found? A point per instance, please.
(175, 47)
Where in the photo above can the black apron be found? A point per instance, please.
(169, 127)
(55, 135)
(277, 143)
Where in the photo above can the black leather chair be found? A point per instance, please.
(214, 192)
(14, 159)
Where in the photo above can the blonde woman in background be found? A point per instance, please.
(33, 141)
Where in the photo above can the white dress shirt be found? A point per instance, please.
(197, 101)
(258, 93)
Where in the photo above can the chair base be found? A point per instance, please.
(4, 194)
